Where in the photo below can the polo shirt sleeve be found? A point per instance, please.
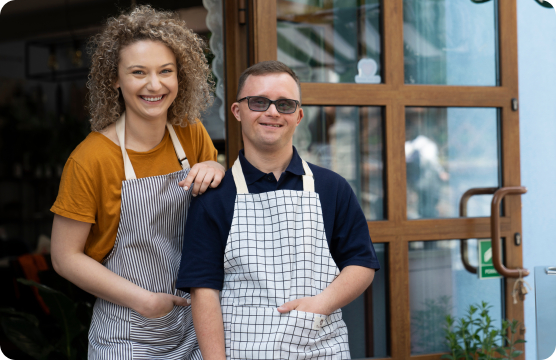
(351, 243)
(202, 262)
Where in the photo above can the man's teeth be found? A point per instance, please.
(271, 125)
(152, 98)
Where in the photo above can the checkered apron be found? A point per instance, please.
(277, 252)
(147, 252)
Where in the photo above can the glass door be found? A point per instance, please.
(414, 103)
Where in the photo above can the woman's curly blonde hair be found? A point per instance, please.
(195, 83)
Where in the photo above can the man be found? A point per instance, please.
(273, 239)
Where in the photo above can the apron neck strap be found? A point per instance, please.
(177, 147)
(241, 184)
(308, 180)
(129, 172)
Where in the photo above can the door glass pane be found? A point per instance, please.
(334, 41)
(450, 42)
(440, 285)
(347, 140)
(366, 317)
(448, 151)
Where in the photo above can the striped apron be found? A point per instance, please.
(147, 252)
(277, 252)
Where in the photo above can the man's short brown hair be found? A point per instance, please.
(265, 68)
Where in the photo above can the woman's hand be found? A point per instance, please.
(160, 304)
(202, 175)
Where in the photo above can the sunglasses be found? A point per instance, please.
(260, 103)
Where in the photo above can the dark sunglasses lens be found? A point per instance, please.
(258, 103)
(286, 106)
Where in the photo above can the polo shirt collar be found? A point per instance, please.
(252, 174)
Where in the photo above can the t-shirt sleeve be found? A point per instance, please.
(76, 197)
(351, 243)
(205, 147)
(202, 262)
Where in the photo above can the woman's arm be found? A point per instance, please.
(202, 175)
(69, 260)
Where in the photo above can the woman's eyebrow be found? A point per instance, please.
(143, 67)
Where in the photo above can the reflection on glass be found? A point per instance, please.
(448, 151)
(450, 42)
(439, 285)
(330, 40)
(366, 317)
(347, 140)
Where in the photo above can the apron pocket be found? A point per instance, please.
(309, 336)
(160, 337)
(253, 332)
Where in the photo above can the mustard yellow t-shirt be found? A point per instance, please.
(90, 188)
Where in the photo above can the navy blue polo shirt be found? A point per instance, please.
(210, 218)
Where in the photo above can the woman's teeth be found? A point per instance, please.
(152, 98)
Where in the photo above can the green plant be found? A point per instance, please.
(65, 337)
(427, 336)
(474, 337)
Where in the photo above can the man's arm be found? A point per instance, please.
(351, 283)
(208, 322)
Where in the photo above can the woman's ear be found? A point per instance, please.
(117, 84)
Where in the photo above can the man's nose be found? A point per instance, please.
(272, 110)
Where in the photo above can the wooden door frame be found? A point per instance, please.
(256, 40)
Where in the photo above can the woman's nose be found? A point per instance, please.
(154, 83)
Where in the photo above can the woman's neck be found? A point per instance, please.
(143, 135)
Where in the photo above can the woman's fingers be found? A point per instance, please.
(186, 183)
(197, 185)
(179, 301)
(218, 176)
(202, 176)
(207, 180)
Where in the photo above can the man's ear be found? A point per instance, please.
(300, 116)
(235, 111)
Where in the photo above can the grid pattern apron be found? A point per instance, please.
(277, 252)
(147, 252)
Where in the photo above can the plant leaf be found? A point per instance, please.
(26, 336)
(9, 312)
(516, 353)
(520, 341)
(62, 309)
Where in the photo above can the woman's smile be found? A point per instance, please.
(152, 99)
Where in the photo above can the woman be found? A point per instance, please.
(120, 212)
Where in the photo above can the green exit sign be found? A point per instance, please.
(486, 267)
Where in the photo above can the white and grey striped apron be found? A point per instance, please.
(147, 252)
(277, 252)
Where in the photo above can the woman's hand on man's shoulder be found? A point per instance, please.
(202, 176)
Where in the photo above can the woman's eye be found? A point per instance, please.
(166, 71)
(138, 72)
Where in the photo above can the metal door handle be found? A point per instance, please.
(495, 232)
(499, 194)
(463, 213)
